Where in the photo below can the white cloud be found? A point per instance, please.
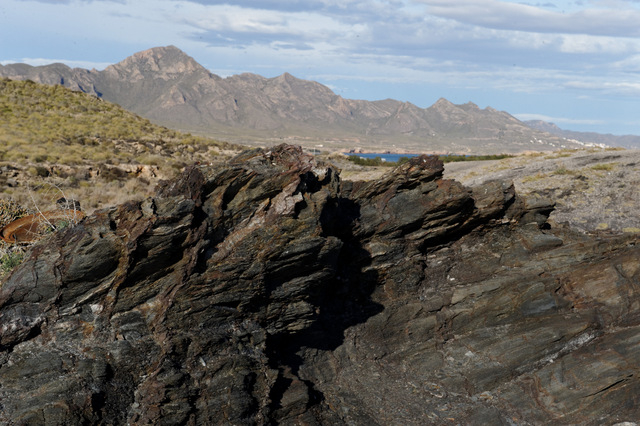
(569, 43)
(237, 20)
(628, 64)
(627, 88)
(622, 22)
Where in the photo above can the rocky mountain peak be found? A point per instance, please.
(159, 62)
(286, 77)
(443, 104)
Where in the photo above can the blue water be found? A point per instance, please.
(386, 157)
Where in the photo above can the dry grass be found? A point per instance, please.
(53, 125)
(94, 151)
(607, 167)
(535, 178)
(564, 171)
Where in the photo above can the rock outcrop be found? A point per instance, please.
(594, 190)
(270, 291)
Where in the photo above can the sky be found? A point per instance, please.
(573, 63)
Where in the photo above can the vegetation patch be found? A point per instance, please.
(9, 260)
(10, 211)
(53, 124)
(94, 150)
(534, 178)
(376, 162)
(450, 158)
(564, 171)
(604, 167)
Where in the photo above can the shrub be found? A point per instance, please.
(564, 171)
(9, 261)
(39, 171)
(604, 167)
(372, 162)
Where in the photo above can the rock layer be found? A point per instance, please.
(270, 291)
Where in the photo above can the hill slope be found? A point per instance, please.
(169, 87)
(76, 141)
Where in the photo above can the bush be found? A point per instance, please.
(9, 261)
(604, 167)
(564, 171)
(39, 171)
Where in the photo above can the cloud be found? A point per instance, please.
(630, 64)
(353, 10)
(604, 85)
(502, 15)
(417, 28)
(281, 5)
(231, 25)
(361, 40)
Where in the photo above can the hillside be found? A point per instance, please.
(167, 86)
(86, 147)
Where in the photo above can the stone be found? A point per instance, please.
(271, 291)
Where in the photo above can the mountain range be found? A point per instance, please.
(170, 88)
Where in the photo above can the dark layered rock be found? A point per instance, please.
(270, 291)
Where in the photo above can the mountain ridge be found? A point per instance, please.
(167, 86)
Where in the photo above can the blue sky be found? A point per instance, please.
(575, 63)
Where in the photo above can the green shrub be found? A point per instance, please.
(9, 261)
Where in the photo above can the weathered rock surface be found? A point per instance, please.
(595, 190)
(270, 291)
